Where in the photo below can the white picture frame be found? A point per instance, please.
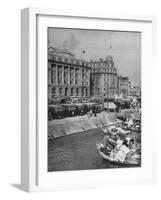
(32, 156)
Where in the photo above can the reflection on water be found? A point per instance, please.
(78, 152)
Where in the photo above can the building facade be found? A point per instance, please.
(103, 78)
(133, 89)
(122, 85)
(67, 76)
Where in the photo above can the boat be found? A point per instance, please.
(132, 160)
(132, 125)
(135, 128)
(116, 130)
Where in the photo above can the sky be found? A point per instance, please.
(124, 47)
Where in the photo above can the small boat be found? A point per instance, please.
(132, 160)
(136, 128)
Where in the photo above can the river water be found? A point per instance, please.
(78, 152)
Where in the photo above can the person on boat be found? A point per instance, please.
(123, 151)
(132, 144)
(109, 142)
(128, 123)
(104, 130)
(118, 143)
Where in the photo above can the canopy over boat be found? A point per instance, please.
(117, 130)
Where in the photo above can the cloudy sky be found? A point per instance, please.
(124, 47)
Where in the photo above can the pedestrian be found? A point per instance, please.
(90, 112)
(72, 113)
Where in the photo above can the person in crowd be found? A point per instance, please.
(89, 113)
(72, 113)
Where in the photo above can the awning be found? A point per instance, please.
(111, 105)
(57, 108)
(59, 100)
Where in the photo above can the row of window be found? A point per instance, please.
(77, 70)
(67, 60)
(124, 84)
(70, 91)
(105, 89)
(99, 64)
(104, 70)
(65, 81)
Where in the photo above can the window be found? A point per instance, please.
(60, 90)
(59, 59)
(66, 91)
(86, 92)
(72, 91)
(77, 92)
(53, 91)
(66, 59)
(71, 60)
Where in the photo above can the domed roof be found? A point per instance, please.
(109, 61)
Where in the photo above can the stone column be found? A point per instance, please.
(49, 76)
(63, 74)
(74, 94)
(57, 91)
(73, 75)
(69, 75)
(80, 77)
(80, 92)
(56, 76)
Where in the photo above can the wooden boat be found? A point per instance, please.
(132, 160)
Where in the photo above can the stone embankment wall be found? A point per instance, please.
(67, 126)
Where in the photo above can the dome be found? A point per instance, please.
(109, 61)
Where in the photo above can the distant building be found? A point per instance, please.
(67, 76)
(122, 85)
(134, 89)
(103, 78)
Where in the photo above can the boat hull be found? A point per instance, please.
(108, 158)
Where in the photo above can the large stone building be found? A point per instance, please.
(67, 76)
(103, 78)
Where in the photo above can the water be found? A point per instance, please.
(78, 152)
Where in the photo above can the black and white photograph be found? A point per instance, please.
(94, 99)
